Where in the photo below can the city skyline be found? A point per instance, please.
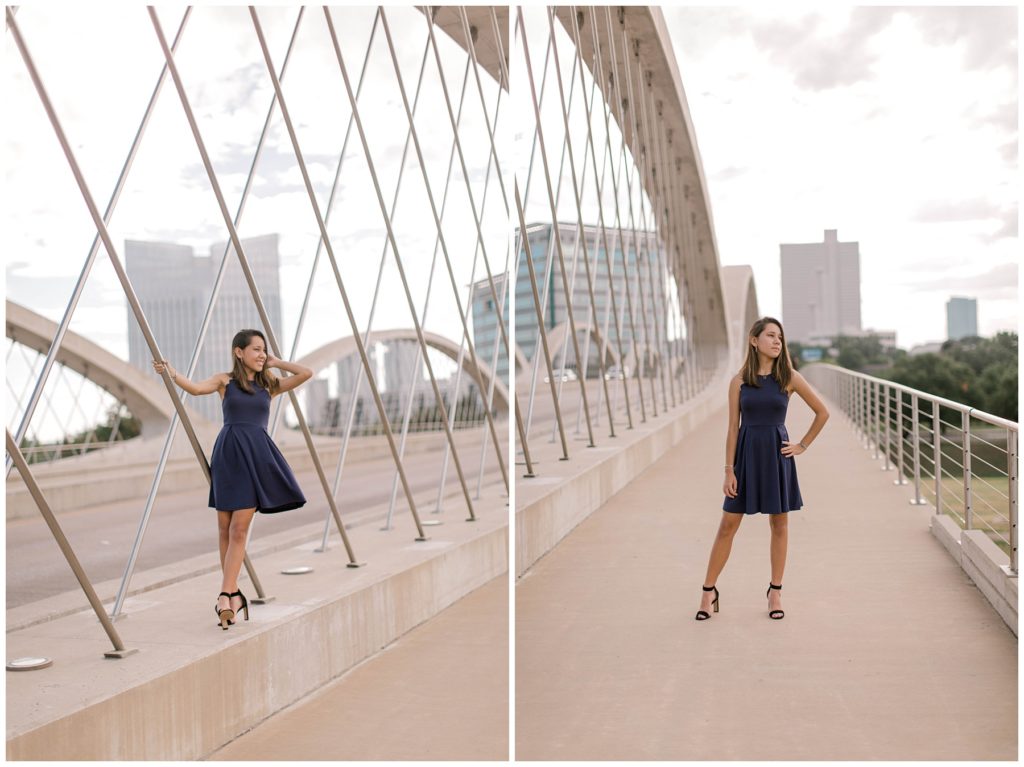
(897, 127)
(54, 231)
(916, 258)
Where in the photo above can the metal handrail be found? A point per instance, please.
(868, 402)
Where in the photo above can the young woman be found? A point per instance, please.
(760, 473)
(248, 472)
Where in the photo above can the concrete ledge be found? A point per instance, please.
(565, 493)
(983, 562)
(989, 568)
(946, 532)
(192, 688)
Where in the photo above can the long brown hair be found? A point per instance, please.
(263, 378)
(782, 367)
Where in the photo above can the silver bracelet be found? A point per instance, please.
(802, 445)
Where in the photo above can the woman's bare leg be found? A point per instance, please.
(238, 534)
(720, 554)
(780, 541)
(223, 525)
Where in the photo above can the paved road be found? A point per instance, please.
(887, 650)
(183, 526)
(439, 692)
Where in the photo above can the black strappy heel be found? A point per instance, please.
(225, 615)
(702, 615)
(775, 614)
(245, 603)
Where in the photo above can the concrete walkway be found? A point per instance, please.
(439, 692)
(887, 650)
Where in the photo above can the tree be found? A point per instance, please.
(998, 385)
(982, 353)
(858, 352)
(938, 375)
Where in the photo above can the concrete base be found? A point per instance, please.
(984, 563)
(565, 493)
(192, 687)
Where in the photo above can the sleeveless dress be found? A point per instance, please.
(765, 478)
(247, 470)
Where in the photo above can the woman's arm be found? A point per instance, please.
(731, 437)
(209, 386)
(300, 373)
(801, 387)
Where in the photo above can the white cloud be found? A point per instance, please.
(895, 126)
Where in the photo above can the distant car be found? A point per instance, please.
(614, 373)
(567, 375)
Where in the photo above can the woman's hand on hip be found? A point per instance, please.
(792, 448)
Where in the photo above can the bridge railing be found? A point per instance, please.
(961, 460)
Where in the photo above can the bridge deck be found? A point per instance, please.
(887, 650)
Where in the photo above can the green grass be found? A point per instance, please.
(995, 523)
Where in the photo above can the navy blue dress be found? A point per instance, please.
(765, 478)
(248, 471)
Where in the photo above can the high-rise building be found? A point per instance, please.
(555, 313)
(485, 324)
(316, 402)
(403, 362)
(820, 288)
(174, 288)
(961, 317)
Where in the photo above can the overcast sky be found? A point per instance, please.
(895, 126)
(100, 63)
(168, 197)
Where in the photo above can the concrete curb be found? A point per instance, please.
(984, 563)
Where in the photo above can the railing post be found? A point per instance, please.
(900, 478)
(855, 396)
(1011, 471)
(917, 500)
(937, 446)
(864, 400)
(883, 390)
(965, 420)
(847, 398)
(872, 422)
